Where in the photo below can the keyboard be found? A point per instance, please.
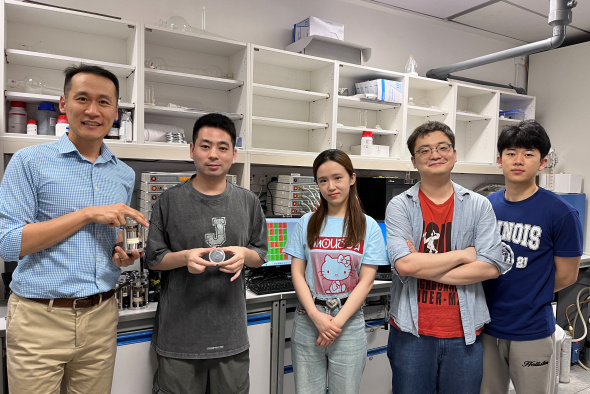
(270, 286)
(383, 276)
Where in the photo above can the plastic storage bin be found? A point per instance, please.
(46, 119)
(515, 114)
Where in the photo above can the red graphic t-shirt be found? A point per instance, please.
(438, 305)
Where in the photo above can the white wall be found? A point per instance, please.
(392, 35)
(560, 79)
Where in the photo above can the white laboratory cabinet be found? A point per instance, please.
(136, 363)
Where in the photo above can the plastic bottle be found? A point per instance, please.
(46, 119)
(114, 131)
(31, 127)
(126, 129)
(62, 125)
(17, 117)
(367, 143)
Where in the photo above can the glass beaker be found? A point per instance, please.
(362, 118)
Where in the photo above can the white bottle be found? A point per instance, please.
(62, 126)
(367, 143)
(17, 117)
(32, 127)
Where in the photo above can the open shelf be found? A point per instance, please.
(58, 62)
(468, 117)
(37, 98)
(287, 93)
(184, 113)
(359, 130)
(192, 80)
(355, 102)
(423, 111)
(288, 124)
(51, 17)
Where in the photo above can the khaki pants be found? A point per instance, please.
(47, 344)
(529, 364)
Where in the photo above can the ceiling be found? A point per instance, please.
(522, 20)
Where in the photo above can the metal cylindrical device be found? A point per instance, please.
(566, 359)
(133, 236)
(138, 291)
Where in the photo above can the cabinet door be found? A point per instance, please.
(135, 363)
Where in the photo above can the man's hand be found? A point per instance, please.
(235, 264)
(115, 215)
(470, 254)
(195, 263)
(122, 259)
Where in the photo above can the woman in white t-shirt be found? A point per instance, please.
(335, 252)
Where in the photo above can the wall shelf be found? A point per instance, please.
(287, 93)
(57, 62)
(288, 124)
(184, 113)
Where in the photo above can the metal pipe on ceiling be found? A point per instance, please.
(560, 15)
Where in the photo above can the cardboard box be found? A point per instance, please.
(313, 26)
(385, 89)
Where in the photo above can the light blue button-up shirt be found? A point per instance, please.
(474, 224)
(47, 181)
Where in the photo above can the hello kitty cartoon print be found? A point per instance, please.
(336, 270)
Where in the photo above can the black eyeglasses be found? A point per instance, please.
(443, 149)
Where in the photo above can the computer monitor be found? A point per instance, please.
(279, 230)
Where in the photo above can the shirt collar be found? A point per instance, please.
(460, 191)
(64, 145)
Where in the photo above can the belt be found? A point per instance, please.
(76, 303)
(330, 302)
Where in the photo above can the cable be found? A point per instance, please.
(578, 303)
(583, 366)
(272, 205)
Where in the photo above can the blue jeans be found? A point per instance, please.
(427, 364)
(339, 366)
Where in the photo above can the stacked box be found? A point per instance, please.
(291, 195)
(385, 89)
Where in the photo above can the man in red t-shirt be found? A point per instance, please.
(442, 241)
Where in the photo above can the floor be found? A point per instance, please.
(579, 382)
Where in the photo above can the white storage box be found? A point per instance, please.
(361, 150)
(385, 89)
(561, 183)
(381, 150)
(376, 151)
(313, 26)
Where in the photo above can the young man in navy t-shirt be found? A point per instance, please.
(542, 237)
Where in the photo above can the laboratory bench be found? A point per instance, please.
(270, 321)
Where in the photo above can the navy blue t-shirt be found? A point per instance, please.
(533, 231)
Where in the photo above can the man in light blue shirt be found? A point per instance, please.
(61, 206)
(442, 241)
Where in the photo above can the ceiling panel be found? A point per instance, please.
(580, 13)
(439, 9)
(506, 19)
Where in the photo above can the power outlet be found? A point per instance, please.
(263, 180)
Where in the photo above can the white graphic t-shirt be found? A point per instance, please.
(333, 271)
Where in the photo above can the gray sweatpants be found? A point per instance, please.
(529, 364)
